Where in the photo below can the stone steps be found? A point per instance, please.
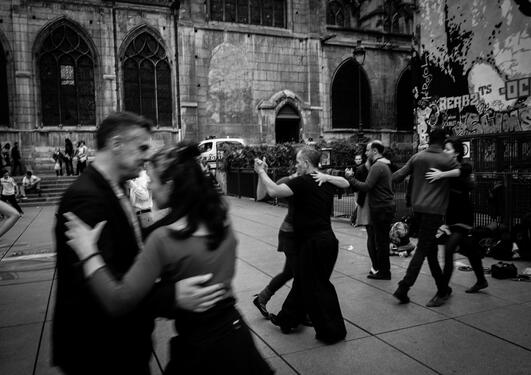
(52, 189)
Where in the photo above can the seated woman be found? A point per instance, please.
(198, 240)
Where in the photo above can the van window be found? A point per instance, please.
(205, 147)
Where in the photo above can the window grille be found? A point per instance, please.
(66, 67)
(335, 14)
(254, 12)
(147, 80)
(4, 98)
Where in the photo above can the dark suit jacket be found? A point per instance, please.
(85, 338)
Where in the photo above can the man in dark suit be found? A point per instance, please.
(85, 340)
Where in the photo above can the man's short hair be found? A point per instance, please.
(311, 155)
(378, 145)
(118, 122)
(28, 173)
(437, 136)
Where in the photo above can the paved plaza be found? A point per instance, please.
(485, 333)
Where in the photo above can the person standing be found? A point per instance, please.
(381, 207)
(16, 158)
(81, 155)
(6, 154)
(460, 216)
(141, 200)
(85, 339)
(68, 157)
(58, 157)
(429, 202)
(9, 190)
(312, 292)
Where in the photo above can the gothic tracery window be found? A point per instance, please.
(4, 98)
(351, 101)
(335, 14)
(66, 68)
(147, 80)
(254, 12)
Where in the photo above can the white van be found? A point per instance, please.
(211, 149)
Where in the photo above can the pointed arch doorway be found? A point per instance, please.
(287, 125)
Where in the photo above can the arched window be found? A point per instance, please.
(66, 67)
(254, 12)
(351, 97)
(147, 79)
(404, 102)
(4, 98)
(335, 14)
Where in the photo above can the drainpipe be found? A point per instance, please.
(116, 57)
(175, 14)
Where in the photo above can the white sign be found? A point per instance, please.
(466, 149)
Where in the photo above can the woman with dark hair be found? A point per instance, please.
(68, 157)
(197, 240)
(460, 216)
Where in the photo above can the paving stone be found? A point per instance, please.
(512, 323)
(249, 278)
(44, 366)
(23, 303)
(164, 331)
(452, 347)
(377, 311)
(280, 366)
(15, 271)
(363, 356)
(302, 339)
(18, 348)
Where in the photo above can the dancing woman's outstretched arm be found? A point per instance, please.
(120, 297)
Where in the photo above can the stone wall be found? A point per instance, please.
(233, 78)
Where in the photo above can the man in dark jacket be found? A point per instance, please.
(16, 167)
(382, 209)
(85, 340)
(429, 202)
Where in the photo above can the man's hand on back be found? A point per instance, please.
(193, 296)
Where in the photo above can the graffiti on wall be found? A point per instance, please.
(474, 74)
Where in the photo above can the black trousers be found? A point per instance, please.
(469, 247)
(426, 248)
(312, 291)
(378, 238)
(16, 167)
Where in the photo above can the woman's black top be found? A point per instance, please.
(460, 205)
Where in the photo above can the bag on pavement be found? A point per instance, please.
(502, 270)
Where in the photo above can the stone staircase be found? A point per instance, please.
(52, 188)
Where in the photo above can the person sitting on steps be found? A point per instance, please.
(30, 184)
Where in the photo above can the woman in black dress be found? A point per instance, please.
(460, 216)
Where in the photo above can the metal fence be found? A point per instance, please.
(499, 196)
(243, 182)
(500, 152)
(502, 197)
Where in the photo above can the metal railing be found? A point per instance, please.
(498, 196)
